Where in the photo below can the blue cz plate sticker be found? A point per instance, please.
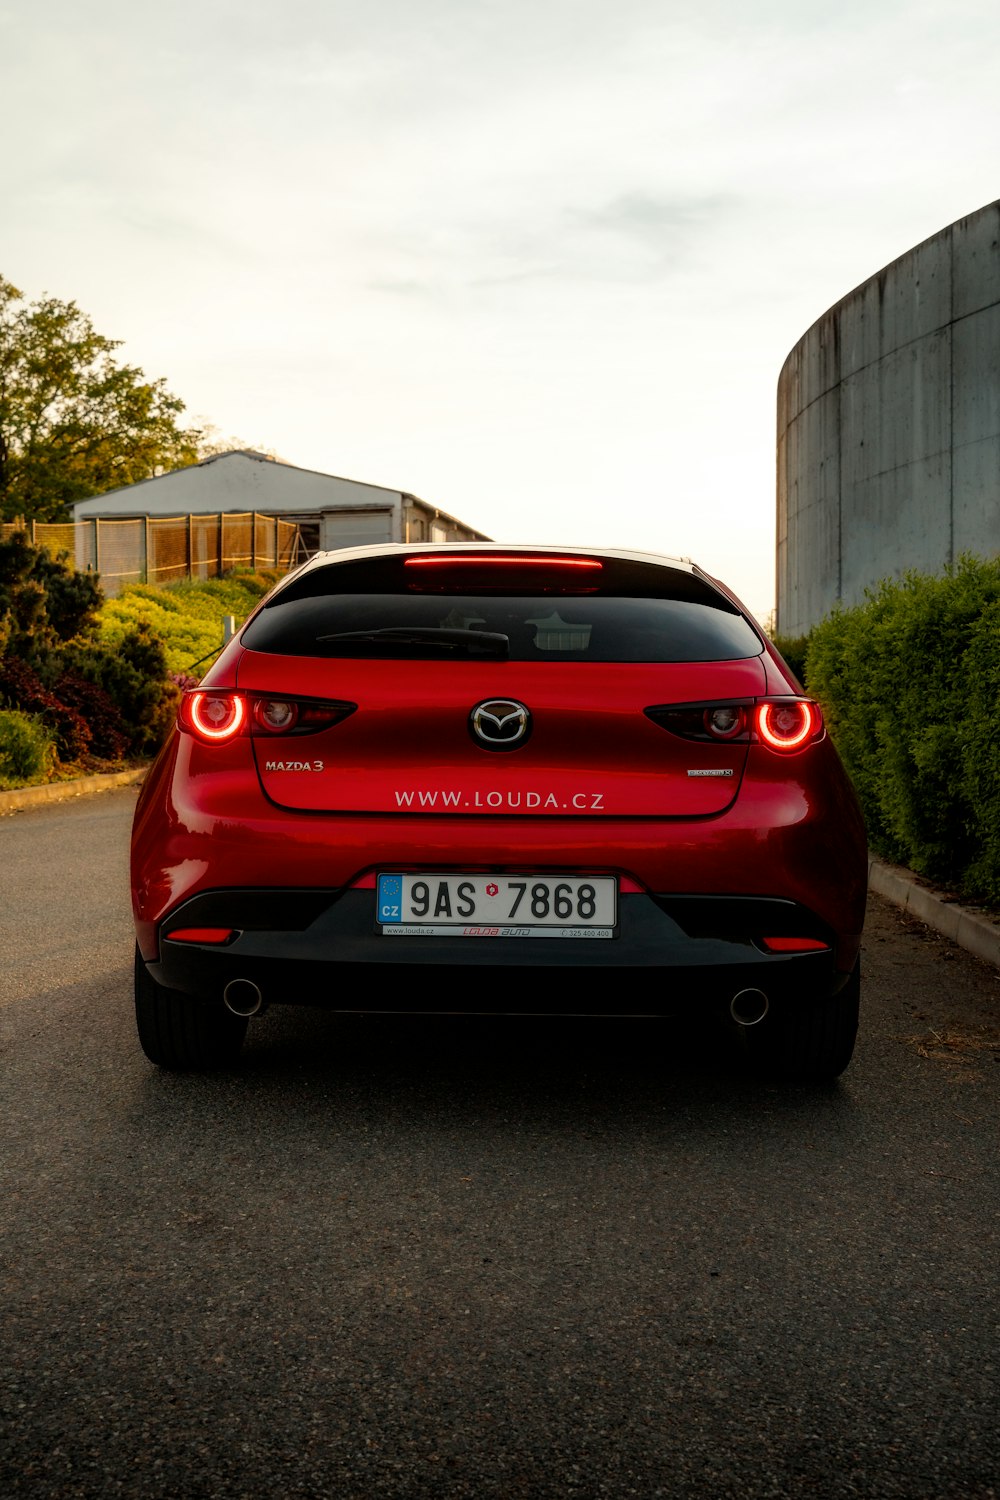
(390, 896)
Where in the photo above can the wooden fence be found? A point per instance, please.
(163, 549)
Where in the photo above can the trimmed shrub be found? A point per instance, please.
(793, 649)
(27, 750)
(187, 617)
(908, 683)
(979, 751)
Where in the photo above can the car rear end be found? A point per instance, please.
(490, 778)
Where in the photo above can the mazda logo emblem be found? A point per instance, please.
(500, 724)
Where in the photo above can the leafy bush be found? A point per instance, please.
(22, 688)
(108, 740)
(103, 676)
(908, 682)
(793, 648)
(27, 750)
(980, 750)
(101, 701)
(43, 601)
(187, 617)
(72, 600)
(23, 620)
(133, 676)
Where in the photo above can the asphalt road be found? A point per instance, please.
(500, 1259)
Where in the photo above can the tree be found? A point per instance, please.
(73, 421)
(212, 444)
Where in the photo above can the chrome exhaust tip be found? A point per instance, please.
(243, 998)
(747, 1007)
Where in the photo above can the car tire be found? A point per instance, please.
(177, 1031)
(809, 1041)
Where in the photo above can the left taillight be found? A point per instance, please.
(217, 716)
(213, 717)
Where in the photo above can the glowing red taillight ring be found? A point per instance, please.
(219, 728)
(768, 732)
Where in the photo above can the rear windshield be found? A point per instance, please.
(634, 612)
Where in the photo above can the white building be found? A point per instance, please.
(329, 511)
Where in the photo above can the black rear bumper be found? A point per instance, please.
(671, 955)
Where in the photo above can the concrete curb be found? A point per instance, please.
(60, 791)
(977, 932)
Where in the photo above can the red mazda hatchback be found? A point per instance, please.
(491, 778)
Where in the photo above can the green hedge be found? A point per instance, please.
(187, 617)
(909, 683)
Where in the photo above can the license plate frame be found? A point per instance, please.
(456, 904)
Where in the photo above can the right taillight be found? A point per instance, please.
(787, 724)
(782, 724)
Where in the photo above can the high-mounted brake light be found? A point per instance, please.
(477, 561)
(502, 572)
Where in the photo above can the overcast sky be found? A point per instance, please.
(539, 262)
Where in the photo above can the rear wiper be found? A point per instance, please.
(476, 642)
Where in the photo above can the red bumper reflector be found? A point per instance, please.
(201, 934)
(794, 945)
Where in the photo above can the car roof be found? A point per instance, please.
(338, 555)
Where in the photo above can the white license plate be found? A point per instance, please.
(497, 905)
